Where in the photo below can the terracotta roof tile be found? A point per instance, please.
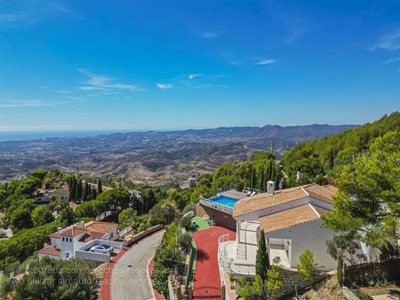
(261, 201)
(324, 193)
(54, 235)
(288, 218)
(92, 226)
(50, 251)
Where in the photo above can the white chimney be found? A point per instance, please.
(270, 188)
(83, 223)
(299, 175)
(59, 230)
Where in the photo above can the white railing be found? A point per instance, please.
(228, 264)
(217, 206)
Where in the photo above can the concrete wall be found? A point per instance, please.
(311, 235)
(143, 234)
(92, 256)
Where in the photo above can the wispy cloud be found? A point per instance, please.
(208, 34)
(24, 103)
(266, 62)
(104, 83)
(29, 12)
(64, 92)
(208, 85)
(192, 76)
(294, 35)
(389, 42)
(165, 85)
(390, 61)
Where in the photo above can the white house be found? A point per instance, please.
(291, 220)
(66, 241)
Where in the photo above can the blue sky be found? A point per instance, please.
(95, 65)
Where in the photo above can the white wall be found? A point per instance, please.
(41, 255)
(55, 242)
(311, 235)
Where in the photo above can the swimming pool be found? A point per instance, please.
(224, 200)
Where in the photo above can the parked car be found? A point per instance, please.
(105, 249)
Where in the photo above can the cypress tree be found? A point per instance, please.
(85, 192)
(94, 194)
(253, 179)
(72, 194)
(331, 159)
(262, 260)
(99, 188)
(262, 185)
(79, 190)
(276, 182)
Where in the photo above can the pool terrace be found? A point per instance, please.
(224, 201)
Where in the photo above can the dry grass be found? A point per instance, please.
(326, 290)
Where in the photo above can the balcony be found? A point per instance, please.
(228, 261)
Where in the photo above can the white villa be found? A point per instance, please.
(291, 220)
(65, 242)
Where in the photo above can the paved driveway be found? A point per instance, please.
(129, 277)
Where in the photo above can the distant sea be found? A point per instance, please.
(25, 135)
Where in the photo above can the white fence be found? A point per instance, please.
(217, 206)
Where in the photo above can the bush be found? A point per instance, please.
(185, 222)
(5, 285)
(184, 240)
(189, 207)
(156, 221)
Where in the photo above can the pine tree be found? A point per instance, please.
(262, 260)
(99, 188)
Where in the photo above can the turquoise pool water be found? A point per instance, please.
(224, 200)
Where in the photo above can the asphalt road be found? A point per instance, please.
(129, 277)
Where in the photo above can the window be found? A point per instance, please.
(63, 239)
(66, 254)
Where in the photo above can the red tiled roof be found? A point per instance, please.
(91, 236)
(50, 251)
(54, 235)
(93, 230)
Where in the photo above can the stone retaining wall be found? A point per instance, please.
(290, 278)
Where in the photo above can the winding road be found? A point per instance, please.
(129, 277)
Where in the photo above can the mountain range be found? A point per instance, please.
(154, 157)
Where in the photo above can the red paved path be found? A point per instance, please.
(207, 282)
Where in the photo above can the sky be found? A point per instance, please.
(148, 65)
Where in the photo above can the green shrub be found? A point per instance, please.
(156, 221)
(185, 222)
(184, 240)
(189, 207)
(5, 285)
